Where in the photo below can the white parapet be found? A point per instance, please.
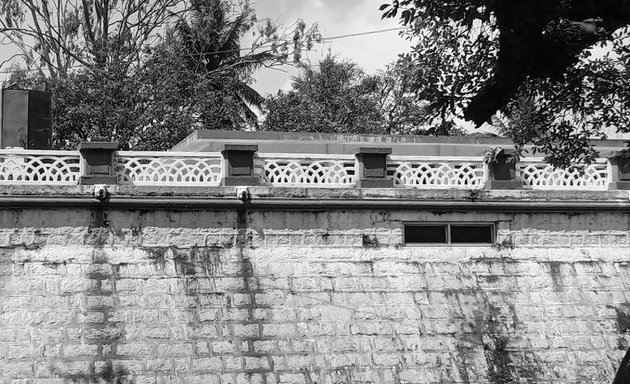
(20, 166)
(306, 170)
(168, 168)
(436, 172)
(536, 174)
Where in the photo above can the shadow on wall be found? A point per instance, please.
(136, 309)
(101, 321)
(219, 304)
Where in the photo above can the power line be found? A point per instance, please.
(323, 39)
(363, 33)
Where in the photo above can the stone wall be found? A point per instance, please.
(254, 296)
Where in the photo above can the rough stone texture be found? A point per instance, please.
(127, 296)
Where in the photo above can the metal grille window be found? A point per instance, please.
(449, 233)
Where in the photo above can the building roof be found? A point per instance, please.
(331, 143)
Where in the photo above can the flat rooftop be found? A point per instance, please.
(328, 143)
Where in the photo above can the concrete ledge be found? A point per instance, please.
(239, 147)
(97, 145)
(314, 199)
(374, 150)
(311, 205)
(375, 183)
(232, 181)
(92, 180)
(193, 192)
(504, 184)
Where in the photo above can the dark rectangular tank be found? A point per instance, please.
(26, 119)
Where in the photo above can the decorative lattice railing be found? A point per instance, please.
(18, 166)
(436, 172)
(168, 168)
(536, 174)
(306, 170)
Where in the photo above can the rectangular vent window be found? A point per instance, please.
(455, 233)
(426, 234)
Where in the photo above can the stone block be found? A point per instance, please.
(136, 349)
(372, 167)
(79, 350)
(251, 378)
(246, 330)
(265, 346)
(256, 364)
(98, 158)
(238, 163)
(71, 368)
(279, 330)
(102, 334)
(503, 171)
(232, 363)
(128, 367)
(292, 378)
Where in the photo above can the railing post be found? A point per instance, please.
(97, 163)
(372, 164)
(619, 173)
(502, 171)
(238, 165)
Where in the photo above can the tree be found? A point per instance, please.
(191, 72)
(338, 97)
(329, 99)
(205, 72)
(530, 59)
(99, 104)
(209, 41)
(402, 113)
(54, 37)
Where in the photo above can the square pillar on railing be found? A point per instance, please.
(97, 160)
(372, 172)
(619, 173)
(502, 171)
(238, 165)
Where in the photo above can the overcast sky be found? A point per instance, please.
(335, 18)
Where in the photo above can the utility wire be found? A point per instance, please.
(323, 39)
(363, 33)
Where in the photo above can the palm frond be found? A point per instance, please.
(249, 95)
(252, 62)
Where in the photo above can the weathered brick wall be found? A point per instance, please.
(303, 297)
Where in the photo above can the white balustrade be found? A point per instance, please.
(306, 170)
(19, 166)
(433, 172)
(536, 174)
(168, 168)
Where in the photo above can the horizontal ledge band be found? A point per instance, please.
(306, 204)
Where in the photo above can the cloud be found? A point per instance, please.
(336, 18)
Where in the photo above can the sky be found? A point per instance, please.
(334, 18)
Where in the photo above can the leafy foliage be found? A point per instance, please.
(531, 60)
(333, 98)
(54, 37)
(152, 92)
(338, 97)
(591, 100)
